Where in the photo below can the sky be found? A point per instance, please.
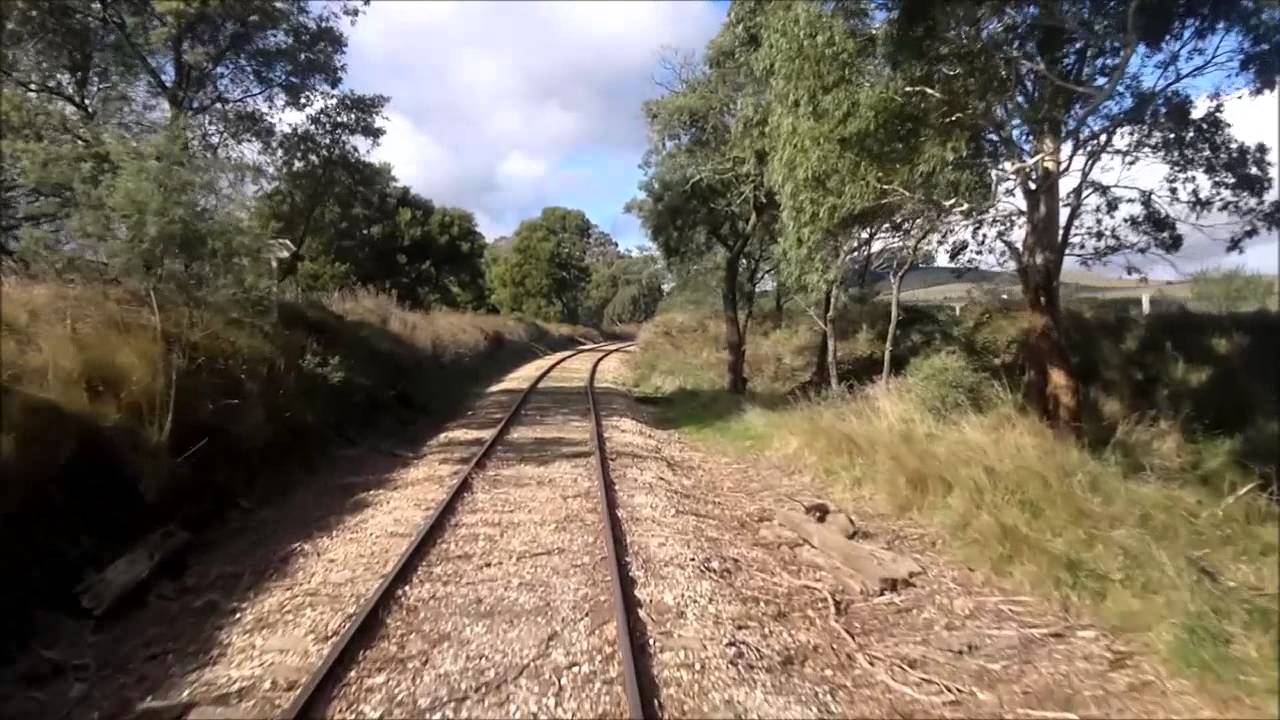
(503, 108)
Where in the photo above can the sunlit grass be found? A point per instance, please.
(1130, 535)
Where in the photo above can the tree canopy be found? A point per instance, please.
(544, 273)
(185, 143)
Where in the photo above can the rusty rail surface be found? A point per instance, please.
(636, 705)
(306, 701)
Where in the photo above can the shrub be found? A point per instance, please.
(1232, 290)
(946, 382)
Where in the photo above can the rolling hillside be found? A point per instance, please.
(944, 284)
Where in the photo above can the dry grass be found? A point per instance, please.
(685, 353)
(1148, 548)
(120, 414)
(113, 358)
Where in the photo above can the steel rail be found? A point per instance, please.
(636, 705)
(305, 700)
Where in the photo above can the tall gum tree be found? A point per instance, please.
(704, 190)
(1071, 97)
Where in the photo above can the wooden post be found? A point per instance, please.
(1146, 303)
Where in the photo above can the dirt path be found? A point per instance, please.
(508, 615)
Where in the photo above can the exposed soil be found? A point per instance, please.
(508, 613)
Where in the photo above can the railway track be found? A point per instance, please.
(311, 698)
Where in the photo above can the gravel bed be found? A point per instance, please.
(508, 614)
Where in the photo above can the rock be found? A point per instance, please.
(161, 710)
(842, 524)
(225, 712)
(878, 569)
(850, 581)
(100, 592)
(286, 643)
(287, 673)
(773, 536)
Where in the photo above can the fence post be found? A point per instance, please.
(1146, 303)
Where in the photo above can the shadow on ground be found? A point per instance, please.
(76, 666)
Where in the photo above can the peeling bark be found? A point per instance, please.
(1052, 387)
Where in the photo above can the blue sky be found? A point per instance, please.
(504, 108)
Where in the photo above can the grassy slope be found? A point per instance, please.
(1132, 544)
(115, 423)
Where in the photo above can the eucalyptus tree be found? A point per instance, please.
(704, 191)
(864, 166)
(1072, 97)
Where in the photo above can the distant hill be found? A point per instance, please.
(922, 278)
(940, 284)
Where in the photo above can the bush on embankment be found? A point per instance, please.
(1142, 533)
(120, 414)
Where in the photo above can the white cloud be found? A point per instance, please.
(490, 101)
(520, 166)
(1253, 120)
(418, 159)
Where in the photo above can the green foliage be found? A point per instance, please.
(1232, 290)
(625, 290)
(136, 132)
(389, 237)
(856, 152)
(544, 273)
(132, 131)
(1108, 83)
(946, 382)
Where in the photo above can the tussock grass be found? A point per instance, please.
(1129, 534)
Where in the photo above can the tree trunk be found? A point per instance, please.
(833, 358)
(821, 368)
(777, 301)
(866, 268)
(1052, 385)
(733, 336)
(893, 320)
